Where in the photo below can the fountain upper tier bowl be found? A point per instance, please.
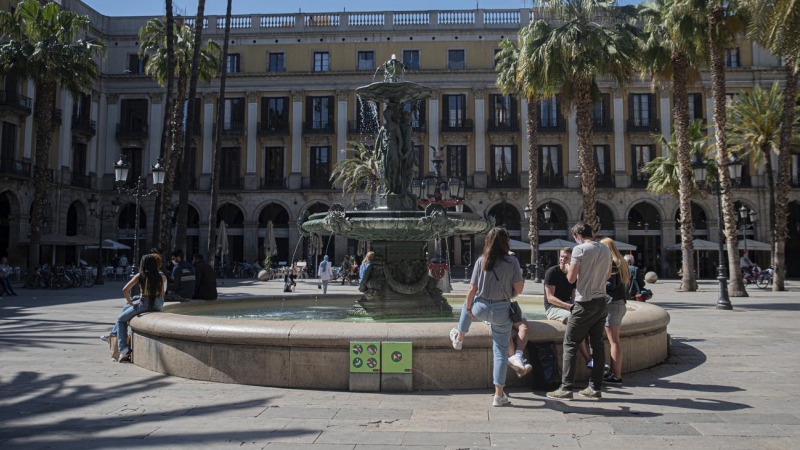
(394, 92)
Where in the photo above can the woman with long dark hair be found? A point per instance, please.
(617, 288)
(151, 285)
(496, 279)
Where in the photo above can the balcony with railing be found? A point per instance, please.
(49, 174)
(130, 130)
(9, 166)
(15, 102)
(604, 181)
(457, 126)
(505, 182)
(603, 125)
(231, 184)
(273, 184)
(193, 183)
(231, 129)
(557, 125)
(795, 181)
(503, 126)
(550, 182)
(81, 181)
(639, 180)
(55, 116)
(274, 128)
(317, 183)
(318, 127)
(419, 126)
(358, 127)
(86, 126)
(643, 125)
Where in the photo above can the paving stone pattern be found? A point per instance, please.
(731, 382)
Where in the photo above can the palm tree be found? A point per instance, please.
(774, 26)
(215, 156)
(755, 129)
(43, 45)
(358, 172)
(153, 37)
(573, 55)
(515, 76)
(183, 200)
(664, 173)
(672, 45)
(724, 20)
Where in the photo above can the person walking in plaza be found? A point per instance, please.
(324, 273)
(151, 285)
(496, 279)
(617, 288)
(5, 273)
(589, 268)
(559, 295)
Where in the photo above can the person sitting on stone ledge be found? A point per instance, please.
(183, 279)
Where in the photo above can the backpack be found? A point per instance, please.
(544, 359)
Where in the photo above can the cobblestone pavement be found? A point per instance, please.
(731, 382)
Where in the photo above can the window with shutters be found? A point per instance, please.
(320, 167)
(229, 168)
(133, 117)
(8, 145)
(550, 119)
(642, 113)
(504, 166)
(411, 59)
(319, 114)
(233, 117)
(136, 64)
(366, 60)
(134, 157)
(276, 62)
(454, 112)
(416, 111)
(602, 161)
(600, 114)
(457, 161)
(275, 115)
(695, 107)
(503, 113)
(233, 63)
(550, 166)
(640, 156)
(732, 57)
(273, 168)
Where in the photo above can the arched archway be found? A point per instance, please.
(280, 226)
(234, 219)
(127, 231)
(606, 219)
(506, 215)
(644, 231)
(9, 234)
(76, 220)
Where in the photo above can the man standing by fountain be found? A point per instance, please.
(589, 268)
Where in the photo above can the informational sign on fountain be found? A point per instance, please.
(396, 357)
(365, 357)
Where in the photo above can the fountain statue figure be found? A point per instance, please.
(394, 142)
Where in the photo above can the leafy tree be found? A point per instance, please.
(359, 171)
(42, 44)
(664, 174)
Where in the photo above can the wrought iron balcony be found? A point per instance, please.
(131, 130)
(11, 166)
(506, 182)
(318, 127)
(231, 129)
(273, 184)
(16, 102)
(231, 184)
(317, 183)
(86, 126)
(551, 182)
(643, 125)
(604, 181)
(602, 124)
(639, 180)
(356, 127)
(82, 181)
(552, 126)
(457, 126)
(507, 126)
(274, 128)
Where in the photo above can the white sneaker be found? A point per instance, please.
(519, 366)
(590, 364)
(454, 337)
(124, 356)
(104, 338)
(501, 401)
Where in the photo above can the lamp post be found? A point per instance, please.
(744, 213)
(435, 189)
(700, 169)
(536, 256)
(102, 215)
(139, 191)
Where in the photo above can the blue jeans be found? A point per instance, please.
(497, 314)
(128, 313)
(7, 286)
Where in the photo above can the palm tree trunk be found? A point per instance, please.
(586, 164)
(767, 150)
(175, 160)
(784, 177)
(681, 114)
(183, 199)
(161, 218)
(717, 64)
(43, 110)
(212, 215)
(532, 122)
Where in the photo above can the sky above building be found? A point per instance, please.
(217, 7)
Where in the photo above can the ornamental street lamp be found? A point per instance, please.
(700, 169)
(139, 191)
(536, 255)
(435, 189)
(744, 214)
(101, 215)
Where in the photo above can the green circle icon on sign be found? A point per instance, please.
(358, 349)
(371, 349)
(372, 363)
(397, 356)
(357, 362)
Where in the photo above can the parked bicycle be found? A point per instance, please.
(765, 278)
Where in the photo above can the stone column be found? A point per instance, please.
(64, 144)
(250, 240)
(621, 230)
(93, 115)
(621, 177)
(156, 125)
(668, 238)
(28, 137)
(433, 125)
(296, 175)
(480, 131)
(208, 139)
(665, 92)
(341, 127)
(112, 146)
(251, 178)
(572, 180)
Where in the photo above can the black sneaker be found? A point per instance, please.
(611, 379)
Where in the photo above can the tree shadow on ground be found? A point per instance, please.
(36, 413)
(21, 329)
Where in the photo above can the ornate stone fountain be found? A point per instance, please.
(397, 283)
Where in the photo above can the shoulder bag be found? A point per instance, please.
(514, 311)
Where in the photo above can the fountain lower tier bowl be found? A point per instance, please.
(316, 355)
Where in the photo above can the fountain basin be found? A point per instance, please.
(315, 355)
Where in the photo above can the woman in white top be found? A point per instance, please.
(324, 273)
